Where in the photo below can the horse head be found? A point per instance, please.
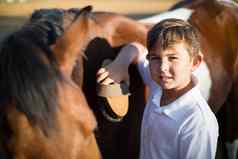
(43, 112)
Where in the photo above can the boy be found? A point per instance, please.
(177, 121)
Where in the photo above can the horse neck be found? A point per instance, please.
(233, 41)
(128, 31)
(228, 15)
(194, 4)
(119, 30)
(224, 37)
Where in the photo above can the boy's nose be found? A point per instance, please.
(164, 66)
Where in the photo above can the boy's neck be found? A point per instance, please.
(169, 96)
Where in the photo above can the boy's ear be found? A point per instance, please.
(197, 61)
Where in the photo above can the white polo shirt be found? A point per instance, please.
(183, 129)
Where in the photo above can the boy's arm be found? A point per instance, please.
(117, 71)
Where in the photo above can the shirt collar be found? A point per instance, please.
(176, 108)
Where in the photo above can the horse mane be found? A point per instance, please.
(50, 17)
(58, 19)
(29, 74)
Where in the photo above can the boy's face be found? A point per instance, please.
(171, 68)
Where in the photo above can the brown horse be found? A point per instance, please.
(44, 113)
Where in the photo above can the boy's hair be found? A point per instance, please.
(171, 31)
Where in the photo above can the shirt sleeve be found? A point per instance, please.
(143, 67)
(198, 144)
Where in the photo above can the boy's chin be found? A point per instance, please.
(165, 86)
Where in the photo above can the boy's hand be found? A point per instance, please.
(115, 72)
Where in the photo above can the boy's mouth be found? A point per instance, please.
(164, 77)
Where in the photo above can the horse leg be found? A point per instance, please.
(232, 148)
(228, 123)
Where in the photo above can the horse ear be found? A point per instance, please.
(76, 37)
(78, 11)
(85, 10)
(88, 8)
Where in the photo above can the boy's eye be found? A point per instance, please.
(171, 58)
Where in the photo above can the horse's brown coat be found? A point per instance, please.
(71, 136)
